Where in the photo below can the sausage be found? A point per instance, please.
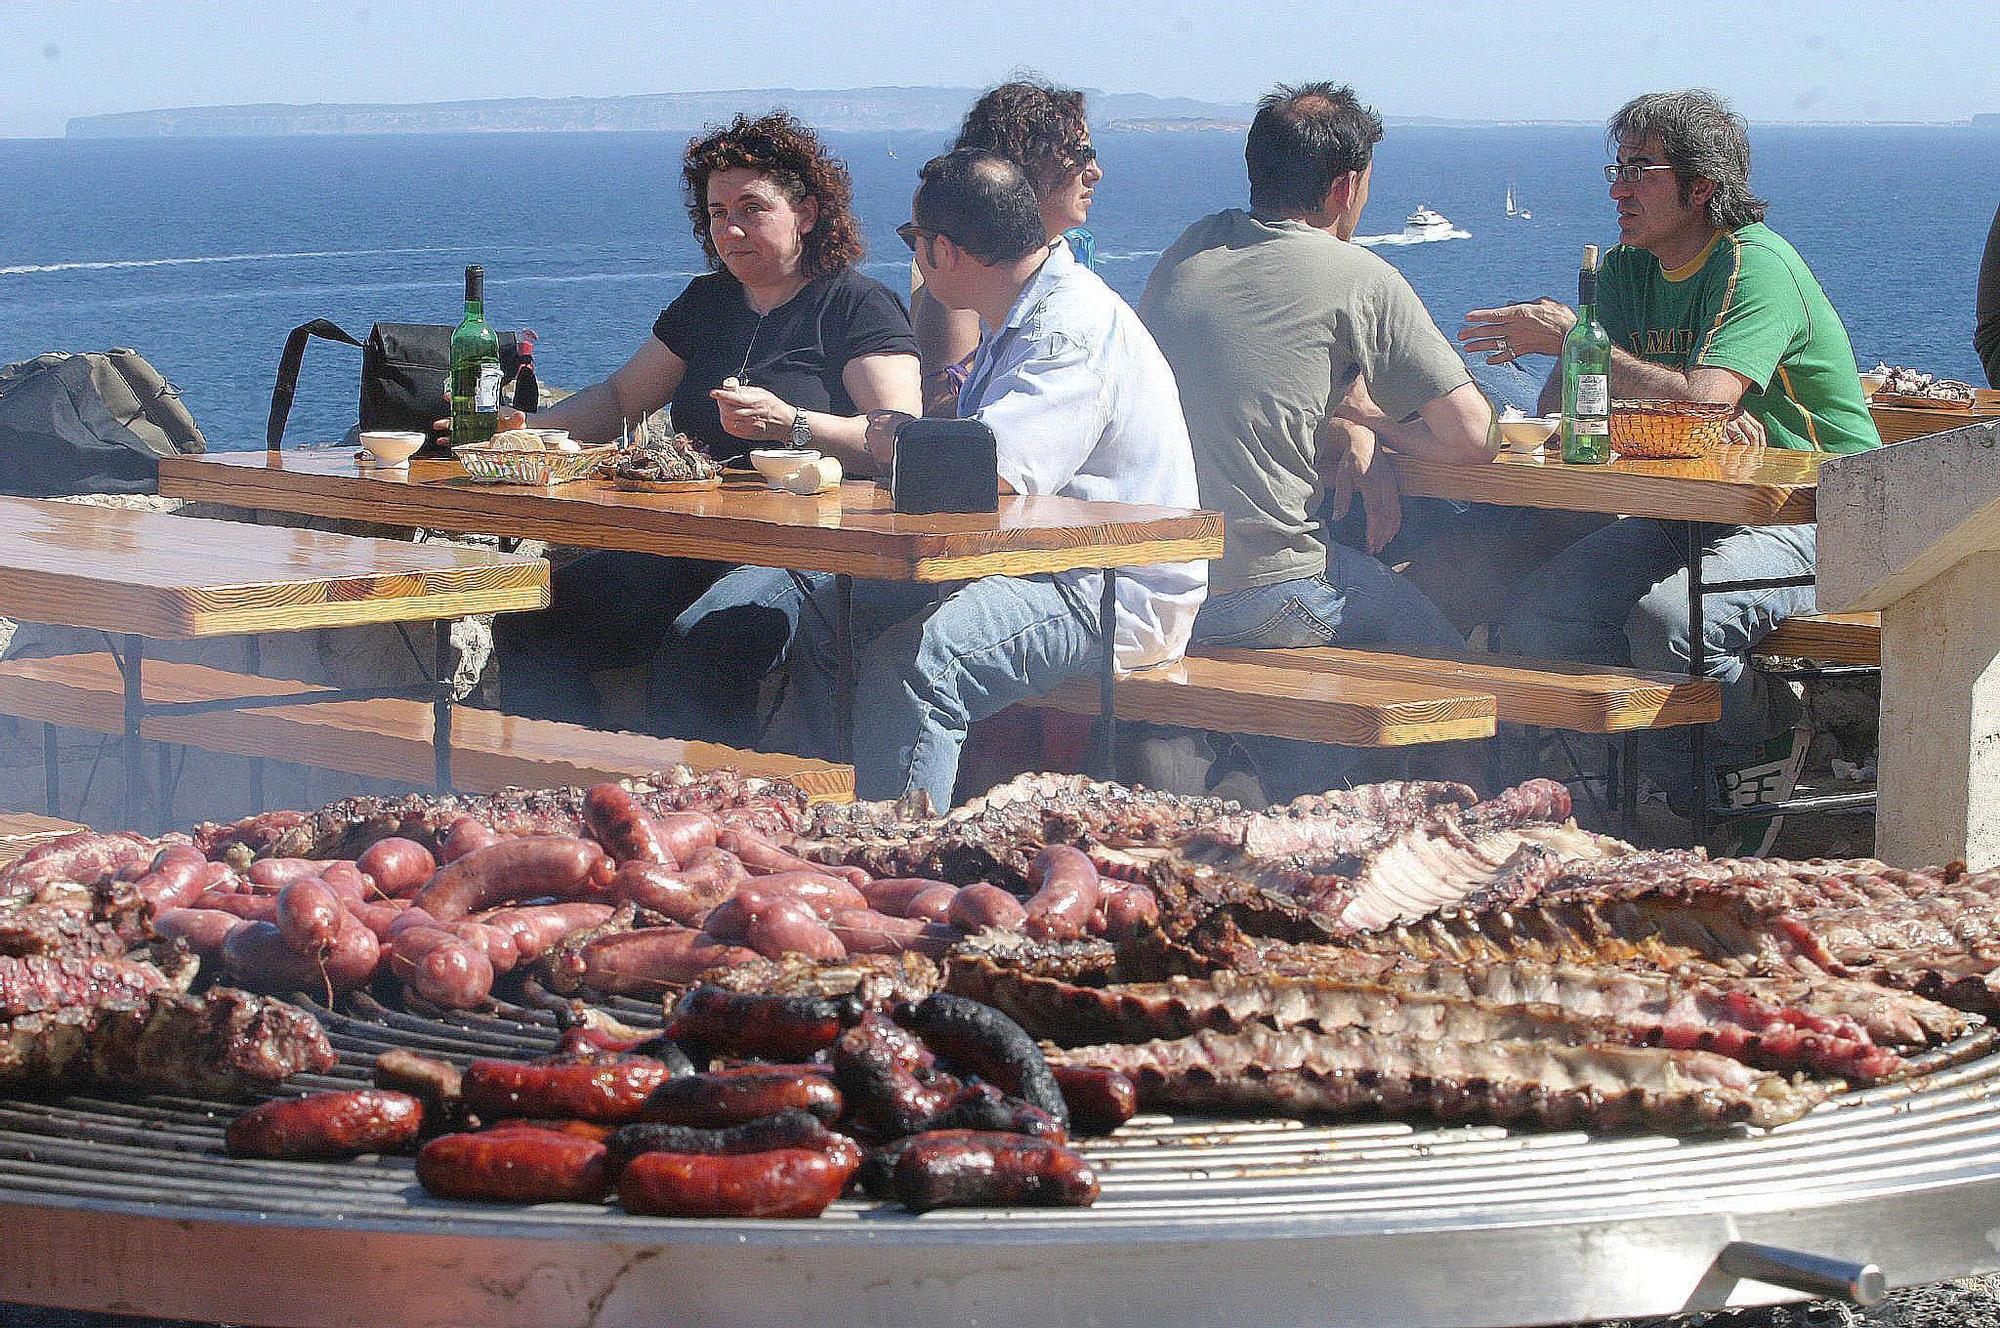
(352, 958)
(441, 967)
(534, 929)
(349, 881)
(893, 895)
(516, 1164)
(888, 1078)
(328, 1125)
(608, 1087)
(177, 876)
(203, 930)
(463, 836)
(980, 906)
(1129, 911)
(669, 893)
(742, 1093)
(787, 1129)
(269, 875)
(932, 905)
(581, 1129)
(380, 915)
(409, 918)
(1067, 895)
(308, 915)
(714, 866)
(786, 926)
(400, 867)
(525, 867)
(497, 945)
(864, 931)
(255, 955)
(651, 958)
(786, 1182)
(435, 1083)
(779, 1028)
(824, 895)
(761, 855)
(628, 831)
(1100, 1100)
(689, 834)
(252, 908)
(981, 1039)
(968, 1168)
(981, 1106)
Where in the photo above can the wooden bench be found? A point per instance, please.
(1228, 696)
(1831, 638)
(21, 831)
(384, 739)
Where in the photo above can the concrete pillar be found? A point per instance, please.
(1939, 764)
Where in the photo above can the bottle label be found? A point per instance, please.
(486, 392)
(1593, 394)
(1586, 424)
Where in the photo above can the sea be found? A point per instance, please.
(203, 253)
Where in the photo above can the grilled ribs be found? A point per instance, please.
(225, 1041)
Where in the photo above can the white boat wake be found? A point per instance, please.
(107, 265)
(1406, 237)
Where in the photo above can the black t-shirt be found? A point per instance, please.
(797, 351)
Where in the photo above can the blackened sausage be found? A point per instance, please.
(973, 1168)
(1100, 1100)
(979, 1038)
(328, 1125)
(628, 832)
(787, 1129)
(721, 1098)
(778, 1028)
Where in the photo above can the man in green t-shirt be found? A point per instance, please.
(1703, 302)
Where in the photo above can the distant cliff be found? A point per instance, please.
(853, 109)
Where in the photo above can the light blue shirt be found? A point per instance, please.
(1083, 404)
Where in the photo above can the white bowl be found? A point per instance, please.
(1530, 431)
(777, 464)
(1871, 383)
(391, 447)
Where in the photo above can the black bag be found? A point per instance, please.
(404, 368)
(945, 466)
(96, 423)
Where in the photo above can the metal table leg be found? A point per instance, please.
(843, 668)
(253, 664)
(1697, 667)
(1107, 683)
(441, 699)
(1628, 784)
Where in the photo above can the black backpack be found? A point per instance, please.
(404, 367)
(95, 423)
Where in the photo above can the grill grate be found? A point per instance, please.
(1359, 1222)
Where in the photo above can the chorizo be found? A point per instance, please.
(440, 967)
(328, 1125)
(651, 958)
(787, 1129)
(514, 1165)
(560, 866)
(251, 908)
(349, 882)
(463, 836)
(714, 866)
(256, 956)
(202, 930)
(785, 926)
(979, 1038)
(980, 906)
(537, 927)
(720, 1098)
(761, 855)
(628, 832)
(380, 915)
(400, 867)
(932, 905)
(1130, 911)
(1067, 893)
(609, 1088)
(308, 915)
(864, 931)
(269, 875)
(689, 836)
(666, 892)
(785, 1182)
(893, 895)
(178, 875)
(974, 1168)
(350, 961)
(1100, 1099)
(774, 1027)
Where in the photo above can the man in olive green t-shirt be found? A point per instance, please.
(1294, 350)
(1702, 302)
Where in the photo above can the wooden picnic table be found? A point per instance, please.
(1900, 423)
(849, 532)
(137, 575)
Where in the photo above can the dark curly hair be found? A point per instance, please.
(1033, 124)
(782, 150)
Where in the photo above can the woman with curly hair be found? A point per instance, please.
(782, 344)
(1040, 128)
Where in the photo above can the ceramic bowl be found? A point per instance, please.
(1530, 431)
(777, 464)
(391, 447)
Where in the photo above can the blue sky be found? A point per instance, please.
(1503, 59)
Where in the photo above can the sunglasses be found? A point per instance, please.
(1080, 157)
(909, 232)
(1619, 172)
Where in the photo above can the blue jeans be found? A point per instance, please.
(924, 671)
(1355, 601)
(1619, 596)
(709, 670)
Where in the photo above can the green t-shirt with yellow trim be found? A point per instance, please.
(1748, 303)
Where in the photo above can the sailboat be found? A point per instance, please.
(1519, 213)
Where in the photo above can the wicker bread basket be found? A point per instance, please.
(1654, 429)
(540, 468)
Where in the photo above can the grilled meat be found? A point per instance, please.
(225, 1041)
(35, 984)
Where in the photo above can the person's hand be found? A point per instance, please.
(1744, 430)
(1505, 334)
(880, 437)
(1350, 451)
(753, 413)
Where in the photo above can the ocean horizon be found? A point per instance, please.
(203, 253)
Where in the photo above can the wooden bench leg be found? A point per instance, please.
(441, 699)
(51, 772)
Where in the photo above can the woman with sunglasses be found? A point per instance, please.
(782, 344)
(1041, 129)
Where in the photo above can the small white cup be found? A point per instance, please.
(391, 447)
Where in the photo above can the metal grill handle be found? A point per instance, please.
(1814, 1274)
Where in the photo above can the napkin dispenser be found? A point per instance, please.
(945, 466)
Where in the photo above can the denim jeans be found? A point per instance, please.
(1355, 601)
(1619, 596)
(709, 671)
(924, 671)
(607, 610)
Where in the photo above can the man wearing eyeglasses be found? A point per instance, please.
(1082, 404)
(1703, 302)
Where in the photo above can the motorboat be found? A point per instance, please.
(1425, 220)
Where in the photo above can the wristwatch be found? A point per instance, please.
(802, 432)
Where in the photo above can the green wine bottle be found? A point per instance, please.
(1586, 376)
(475, 367)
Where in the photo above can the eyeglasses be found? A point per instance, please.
(1080, 156)
(908, 233)
(1620, 172)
